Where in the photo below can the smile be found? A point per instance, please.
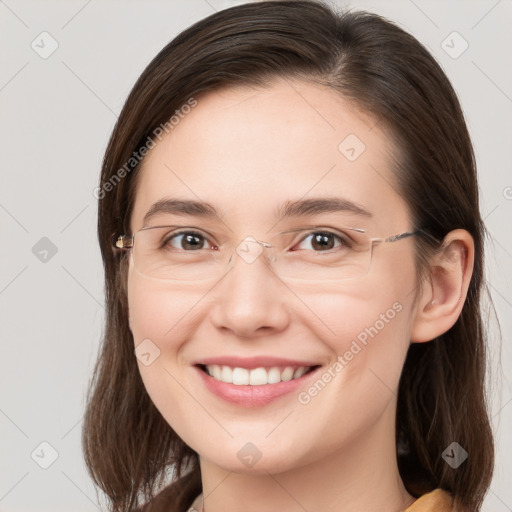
(255, 381)
(256, 376)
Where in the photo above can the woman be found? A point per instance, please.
(289, 223)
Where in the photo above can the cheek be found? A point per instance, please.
(158, 311)
(355, 313)
(368, 347)
(367, 326)
(159, 316)
(163, 315)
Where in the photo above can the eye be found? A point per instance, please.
(187, 241)
(322, 241)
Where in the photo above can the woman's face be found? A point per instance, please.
(247, 152)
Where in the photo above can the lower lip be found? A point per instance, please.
(252, 396)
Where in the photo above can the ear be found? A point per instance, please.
(445, 288)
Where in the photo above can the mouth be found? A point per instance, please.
(254, 382)
(260, 376)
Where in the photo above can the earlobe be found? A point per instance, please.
(444, 291)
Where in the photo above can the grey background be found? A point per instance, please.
(57, 115)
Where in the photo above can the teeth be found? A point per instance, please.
(217, 372)
(226, 374)
(256, 376)
(273, 376)
(299, 372)
(240, 376)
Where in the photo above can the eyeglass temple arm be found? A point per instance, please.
(407, 234)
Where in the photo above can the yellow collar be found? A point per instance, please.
(436, 501)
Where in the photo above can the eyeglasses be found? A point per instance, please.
(305, 254)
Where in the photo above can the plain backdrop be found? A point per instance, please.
(57, 113)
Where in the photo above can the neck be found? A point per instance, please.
(362, 476)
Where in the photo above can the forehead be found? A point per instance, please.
(248, 150)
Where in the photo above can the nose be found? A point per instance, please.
(251, 301)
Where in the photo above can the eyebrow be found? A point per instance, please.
(316, 205)
(296, 208)
(181, 207)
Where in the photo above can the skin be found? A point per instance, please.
(247, 150)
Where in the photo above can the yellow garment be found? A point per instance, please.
(435, 501)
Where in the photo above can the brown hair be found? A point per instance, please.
(129, 448)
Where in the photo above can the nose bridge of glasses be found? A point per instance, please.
(250, 249)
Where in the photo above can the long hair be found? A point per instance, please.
(128, 447)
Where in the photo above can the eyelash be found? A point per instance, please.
(336, 236)
(343, 240)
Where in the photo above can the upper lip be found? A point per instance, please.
(252, 362)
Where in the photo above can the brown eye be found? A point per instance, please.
(321, 241)
(187, 241)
